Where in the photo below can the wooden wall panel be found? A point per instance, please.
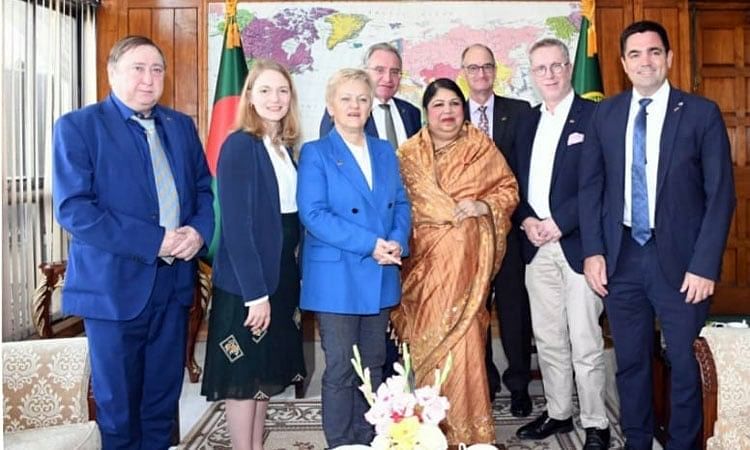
(611, 15)
(722, 73)
(186, 61)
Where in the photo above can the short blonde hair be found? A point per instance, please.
(247, 119)
(342, 76)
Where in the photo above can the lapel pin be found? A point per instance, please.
(503, 119)
(571, 121)
(339, 162)
(678, 106)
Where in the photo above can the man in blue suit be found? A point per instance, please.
(564, 310)
(384, 66)
(657, 196)
(131, 186)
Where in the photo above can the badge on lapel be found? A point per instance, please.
(575, 138)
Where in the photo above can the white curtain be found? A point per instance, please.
(48, 68)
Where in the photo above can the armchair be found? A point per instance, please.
(724, 358)
(45, 390)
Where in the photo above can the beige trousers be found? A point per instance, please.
(565, 319)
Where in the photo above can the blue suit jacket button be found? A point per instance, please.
(390, 205)
(355, 210)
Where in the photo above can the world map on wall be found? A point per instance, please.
(313, 41)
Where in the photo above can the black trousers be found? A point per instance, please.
(512, 303)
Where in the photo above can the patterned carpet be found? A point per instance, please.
(296, 426)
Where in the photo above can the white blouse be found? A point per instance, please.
(286, 175)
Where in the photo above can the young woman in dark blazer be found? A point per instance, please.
(254, 347)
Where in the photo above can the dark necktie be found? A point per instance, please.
(484, 123)
(640, 228)
(390, 129)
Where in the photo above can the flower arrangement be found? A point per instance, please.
(405, 418)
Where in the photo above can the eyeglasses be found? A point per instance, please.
(380, 70)
(473, 69)
(555, 68)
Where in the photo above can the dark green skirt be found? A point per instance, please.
(242, 366)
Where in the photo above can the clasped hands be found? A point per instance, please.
(540, 232)
(469, 208)
(387, 252)
(181, 243)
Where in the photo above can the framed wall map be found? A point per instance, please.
(313, 39)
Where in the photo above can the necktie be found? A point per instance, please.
(390, 129)
(640, 228)
(169, 201)
(484, 123)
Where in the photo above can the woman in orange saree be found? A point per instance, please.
(462, 194)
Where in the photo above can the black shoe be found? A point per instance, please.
(596, 439)
(520, 403)
(544, 427)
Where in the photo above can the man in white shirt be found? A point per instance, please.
(564, 309)
(656, 177)
(499, 118)
(392, 119)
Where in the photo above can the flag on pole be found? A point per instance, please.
(231, 77)
(587, 77)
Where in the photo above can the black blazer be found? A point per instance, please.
(506, 115)
(563, 191)
(410, 115)
(695, 196)
(248, 256)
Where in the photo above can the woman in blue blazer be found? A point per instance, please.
(254, 345)
(357, 218)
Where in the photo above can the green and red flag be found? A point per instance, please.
(232, 74)
(587, 77)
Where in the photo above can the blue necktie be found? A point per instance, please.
(640, 228)
(166, 191)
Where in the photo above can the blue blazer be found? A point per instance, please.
(410, 115)
(343, 219)
(248, 255)
(563, 191)
(695, 196)
(103, 198)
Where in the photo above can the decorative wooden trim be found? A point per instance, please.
(709, 388)
(201, 299)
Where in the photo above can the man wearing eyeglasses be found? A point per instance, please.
(564, 309)
(499, 117)
(392, 119)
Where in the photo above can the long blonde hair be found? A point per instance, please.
(247, 118)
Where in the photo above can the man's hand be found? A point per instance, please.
(258, 317)
(386, 253)
(169, 243)
(595, 271)
(697, 288)
(190, 245)
(550, 232)
(533, 229)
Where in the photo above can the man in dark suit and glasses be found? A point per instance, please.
(657, 184)
(498, 117)
(392, 119)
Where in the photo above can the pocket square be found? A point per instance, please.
(575, 138)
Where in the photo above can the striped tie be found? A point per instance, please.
(639, 217)
(169, 201)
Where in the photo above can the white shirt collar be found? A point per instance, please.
(563, 108)
(474, 106)
(661, 96)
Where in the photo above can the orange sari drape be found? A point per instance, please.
(446, 278)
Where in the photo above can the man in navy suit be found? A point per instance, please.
(657, 196)
(384, 66)
(500, 117)
(131, 186)
(564, 309)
